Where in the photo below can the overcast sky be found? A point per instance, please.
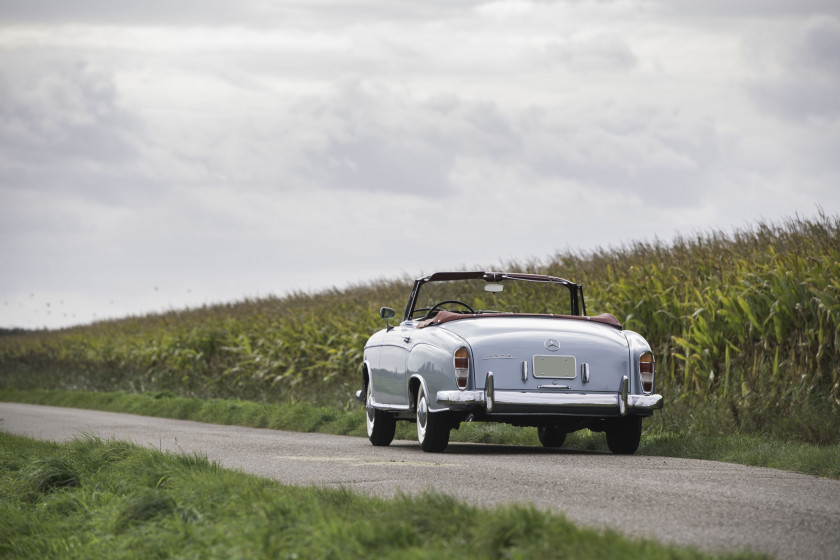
(156, 155)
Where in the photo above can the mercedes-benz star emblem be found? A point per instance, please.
(552, 345)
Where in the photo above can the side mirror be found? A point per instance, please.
(387, 313)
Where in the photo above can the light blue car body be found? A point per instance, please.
(557, 372)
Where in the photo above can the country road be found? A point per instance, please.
(715, 506)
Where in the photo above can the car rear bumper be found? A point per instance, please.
(619, 403)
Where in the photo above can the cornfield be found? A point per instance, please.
(745, 328)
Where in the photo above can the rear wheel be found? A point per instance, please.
(551, 435)
(432, 427)
(380, 425)
(624, 435)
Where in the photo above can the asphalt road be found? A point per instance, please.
(715, 506)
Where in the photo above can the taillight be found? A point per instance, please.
(462, 367)
(646, 371)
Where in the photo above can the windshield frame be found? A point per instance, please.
(576, 300)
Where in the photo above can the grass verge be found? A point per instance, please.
(304, 417)
(90, 498)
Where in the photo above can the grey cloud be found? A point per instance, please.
(108, 11)
(819, 48)
(808, 82)
(469, 128)
(377, 142)
(362, 137)
(651, 153)
(748, 8)
(371, 160)
(383, 142)
(62, 124)
(253, 13)
(378, 139)
(329, 13)
(600, 53)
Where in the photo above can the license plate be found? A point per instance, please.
(560, 367)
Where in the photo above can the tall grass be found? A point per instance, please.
(745, 327)
(300, 347)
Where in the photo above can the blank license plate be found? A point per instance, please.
(561, 367)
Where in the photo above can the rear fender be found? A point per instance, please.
(637, 345)
(414, 385)
(360, 395)
(365, 374)
(432, 367)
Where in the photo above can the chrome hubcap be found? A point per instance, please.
(422, 417)
(369, 411)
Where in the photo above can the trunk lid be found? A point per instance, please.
(553, 351)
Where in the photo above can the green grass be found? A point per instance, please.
(820, 460)
(131, 502)
(294, 416)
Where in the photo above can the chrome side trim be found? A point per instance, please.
(391, 407)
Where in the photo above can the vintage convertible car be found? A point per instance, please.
(506, 347)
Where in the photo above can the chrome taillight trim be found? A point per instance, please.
(647, 379)
(462, 374)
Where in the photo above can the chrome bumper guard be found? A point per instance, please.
(620, 402)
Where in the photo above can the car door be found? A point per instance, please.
(391, 383)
